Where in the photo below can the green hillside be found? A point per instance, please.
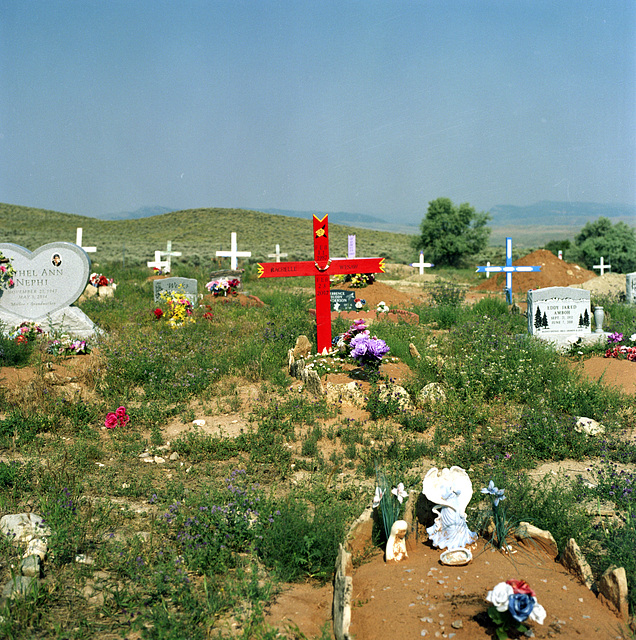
(197, 233)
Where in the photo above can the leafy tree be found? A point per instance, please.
(450, 234)
(616, 243)
(558, 245)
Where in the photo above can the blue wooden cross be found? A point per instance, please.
(509, 269)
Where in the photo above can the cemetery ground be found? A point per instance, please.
(231, 482)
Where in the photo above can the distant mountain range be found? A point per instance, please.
(567, 216)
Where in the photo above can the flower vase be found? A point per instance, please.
(599, 316)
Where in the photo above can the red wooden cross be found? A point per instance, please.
(321, 268)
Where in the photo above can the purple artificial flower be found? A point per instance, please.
(367, 350)
(615, 337)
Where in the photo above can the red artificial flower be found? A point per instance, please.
(21, 339)
(521, 586)
(158, 313)
(111, 421)
(207, 315)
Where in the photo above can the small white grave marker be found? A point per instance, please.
(78, 241)
(233, 253)
(278, 255)
(169, 253)
(602, 266)
(159, 263)
(560, 254)
(509, 269)
(421, 264)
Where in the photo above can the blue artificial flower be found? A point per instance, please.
(493, 491)
(520, 606)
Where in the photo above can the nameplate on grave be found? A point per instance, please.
(46, 280)
(187, 286)
(559, 310)
(342, 300)
(630, 288)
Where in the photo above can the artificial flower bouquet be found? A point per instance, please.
(358, 343)
(179, 306)
(99, 280)
(357, 280)
(619, 350)
(26, 332)
(67, 346)
(6, 273)
(118, 418)
(513, 603)
(223, 287)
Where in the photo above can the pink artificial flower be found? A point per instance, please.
(121, 411)
(11, 283)
(122, 417)
(3, 269)
(111, 421)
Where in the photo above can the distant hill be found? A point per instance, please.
(197, 233)
(352, 220)
(143, 212)
(573, 214)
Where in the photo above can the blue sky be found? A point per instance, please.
(370, 106)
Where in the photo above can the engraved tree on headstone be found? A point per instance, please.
(537, 319)
(544, 321)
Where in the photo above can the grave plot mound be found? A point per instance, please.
(554, 273)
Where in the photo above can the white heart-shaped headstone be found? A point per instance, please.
(47, 279)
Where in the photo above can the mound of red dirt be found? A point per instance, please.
(380, 292)
(554, 273)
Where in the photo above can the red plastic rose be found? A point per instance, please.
(158, 313)
(521, 586)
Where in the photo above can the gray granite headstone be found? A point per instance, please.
(47, 282)
(630, 288)
(561, 315)
(342, 300)
(559, 310)
(188, 286)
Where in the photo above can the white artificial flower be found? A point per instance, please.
(377, 497)
(537, 614)
(399, 492)
(499, 596)
(633, 337)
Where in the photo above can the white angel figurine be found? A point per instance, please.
(451, 490)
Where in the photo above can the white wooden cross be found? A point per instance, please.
(233, 253)
(169, 253)
(509, 269)
(602, 266)
(421, 264)
(278, 255)
(78, 242)
(159, 263)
